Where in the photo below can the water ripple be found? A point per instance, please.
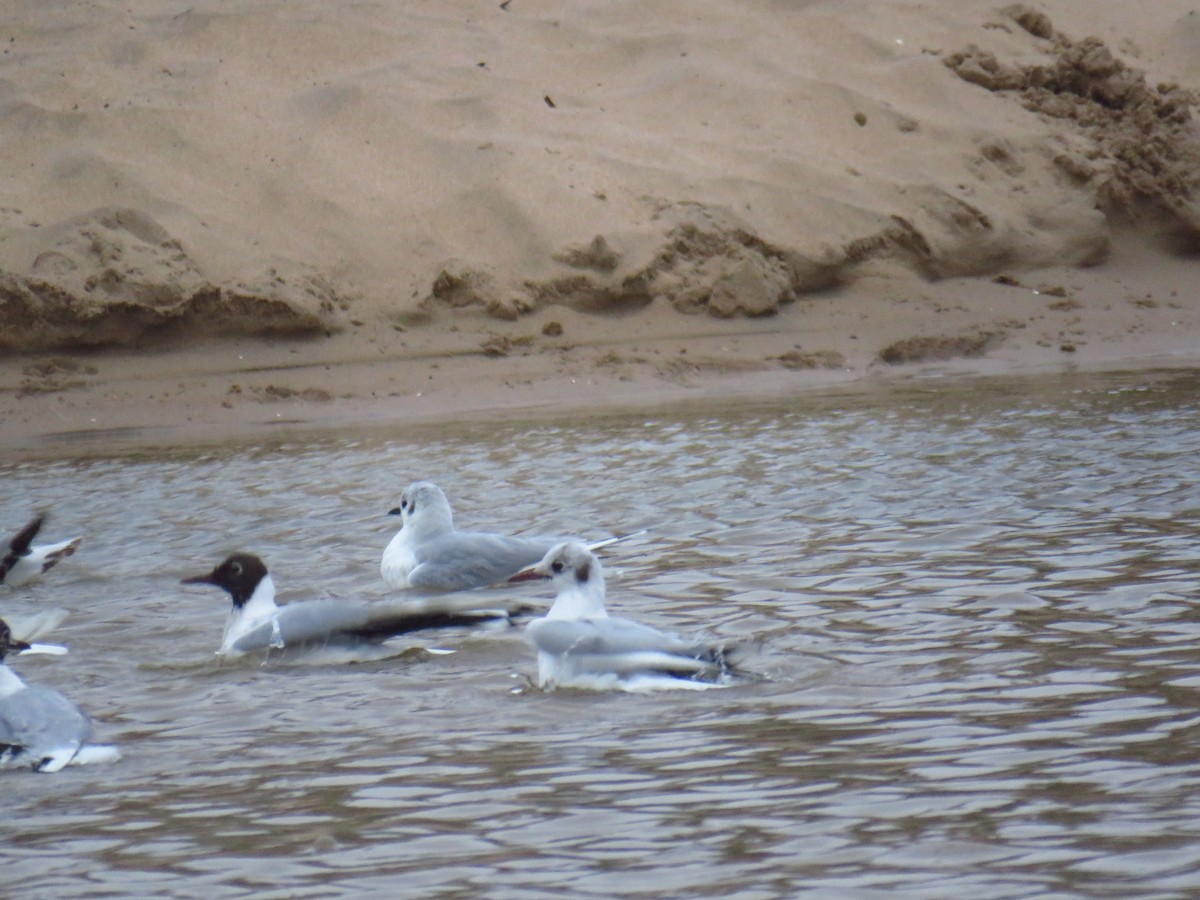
(972, 608)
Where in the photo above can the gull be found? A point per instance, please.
(257, 623)
(39, 727)
(580, 645)
(24, 562)
(429, 555)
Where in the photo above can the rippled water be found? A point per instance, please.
(976, 606)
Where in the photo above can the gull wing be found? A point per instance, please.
(19, 545)
(23, 562)
(621, 646)
(321, 622)
(40, 624)
(466, 560)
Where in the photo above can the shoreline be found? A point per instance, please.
(1124, 315)
(314, 422)
(234, 393)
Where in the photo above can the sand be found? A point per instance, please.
(220, 215)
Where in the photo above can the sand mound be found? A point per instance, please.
(1142, 154)
(703, 259)
(115, 276)
(259, 167)
(1011, 195)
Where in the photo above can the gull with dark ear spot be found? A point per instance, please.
(358, 630)
(429, 555)
(24, 561)
(580, 645)
(41, 729)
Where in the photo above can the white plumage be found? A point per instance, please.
(580, 645)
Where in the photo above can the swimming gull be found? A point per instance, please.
(39, 727)
(580, 645)
(256, 623)
(429, 555)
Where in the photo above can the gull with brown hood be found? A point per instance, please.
(361, 629)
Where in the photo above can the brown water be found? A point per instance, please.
(976, 606)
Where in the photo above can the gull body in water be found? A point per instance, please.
(257, 623)
(24, 562)
(580, 645)
(41, 729)
(429, 555)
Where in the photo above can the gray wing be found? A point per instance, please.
(621, 646)
(338, 622)
(38, 625)
(43, 723)
(310, 623)
(465, 560)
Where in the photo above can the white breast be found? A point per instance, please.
(398, 563)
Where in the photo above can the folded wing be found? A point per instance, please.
(334, 622)
(623, 647)
(466, 560)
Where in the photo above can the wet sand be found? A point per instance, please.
(1128, 317)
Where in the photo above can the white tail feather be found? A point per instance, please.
(90, 754)
(44, 650)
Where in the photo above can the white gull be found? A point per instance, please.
(580, 645)
(429, 555)
(39, 727)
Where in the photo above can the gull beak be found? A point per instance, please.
(394, 511)
(529, 573)
(207, 578)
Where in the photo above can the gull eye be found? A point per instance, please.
(236, 568)
(556, 566)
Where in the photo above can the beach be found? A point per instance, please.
(222, 216)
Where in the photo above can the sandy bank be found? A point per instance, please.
(222, 214)
(1127, 315)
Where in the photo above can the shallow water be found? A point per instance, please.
(975, 604)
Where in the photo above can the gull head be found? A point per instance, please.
(240, 575)
(423, 507)
(578, 580)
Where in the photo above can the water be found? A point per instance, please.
(975, 605)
